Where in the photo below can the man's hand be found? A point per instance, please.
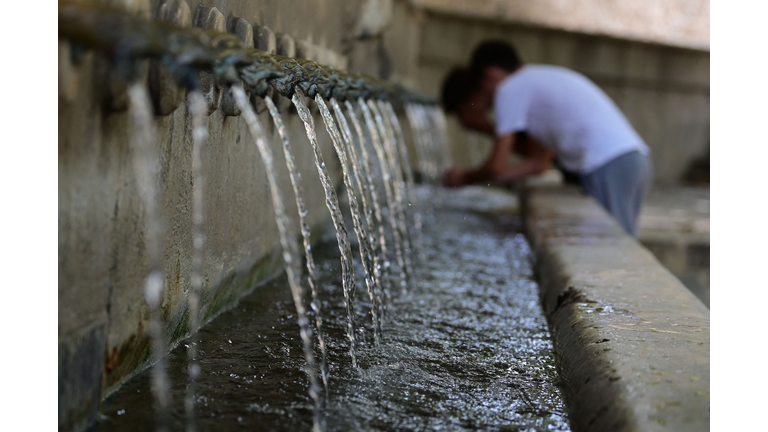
(455, 177)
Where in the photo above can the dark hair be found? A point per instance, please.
(457, 86)
(497, 53)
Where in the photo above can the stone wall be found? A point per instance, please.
(103, 317)
(680, 23)
(663, 90)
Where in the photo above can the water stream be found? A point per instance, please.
(360, 230)
(332, 202)
(373, 212)
(388, 181)
(365, 197)
(198, 110)
(387, 134)
(146, 167)
(295, 176)
(290, 249)
(466, 349)
(410, 184)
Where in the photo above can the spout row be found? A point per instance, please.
(186, 52)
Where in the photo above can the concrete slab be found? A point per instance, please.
(632, 342)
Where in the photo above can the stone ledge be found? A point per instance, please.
(632, 343)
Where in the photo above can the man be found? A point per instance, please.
(564, 115)
(470, 106)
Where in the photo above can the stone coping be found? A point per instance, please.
(632, 343)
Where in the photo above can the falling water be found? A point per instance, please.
(418, 143)
(362, 234)
(441, 129)
(305, 232)
(410, 183)
(198, 110)
(425, 148)
(145, 164)
(332, 202)
(387, 134)
(381, 258)
(363, 186)
(422, 151)
(290, 249)
(387, 177)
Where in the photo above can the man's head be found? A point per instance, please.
(461, 96)
(457, 88)
(493, 60)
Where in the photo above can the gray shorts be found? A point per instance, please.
(620, 186)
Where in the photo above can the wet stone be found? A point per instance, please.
(466, 349)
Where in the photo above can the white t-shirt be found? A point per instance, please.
(567, 113)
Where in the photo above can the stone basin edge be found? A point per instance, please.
(631, 341)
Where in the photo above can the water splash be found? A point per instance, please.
(145, 164)
(373, 213)
(332, 202)
(198, 110)
(387, 177)
(290, 249)
(295, 176)
(362, 233)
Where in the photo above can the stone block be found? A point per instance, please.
(210, 18)
(244, 32)
(81, 360)
(166, 94)
(285, 46)
(264, 39)
(116, 98)
(69, 74)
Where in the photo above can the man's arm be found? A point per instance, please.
(537, 160)
(496, 162)
(495, 168)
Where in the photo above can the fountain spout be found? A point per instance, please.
(293, 75)
(257, 74)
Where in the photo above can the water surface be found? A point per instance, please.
(466, 349)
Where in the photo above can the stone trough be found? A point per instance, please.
(632, 343)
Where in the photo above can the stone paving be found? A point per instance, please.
(674, 226)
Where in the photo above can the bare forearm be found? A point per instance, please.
(528, 167)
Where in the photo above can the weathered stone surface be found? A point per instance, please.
(632, 343)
